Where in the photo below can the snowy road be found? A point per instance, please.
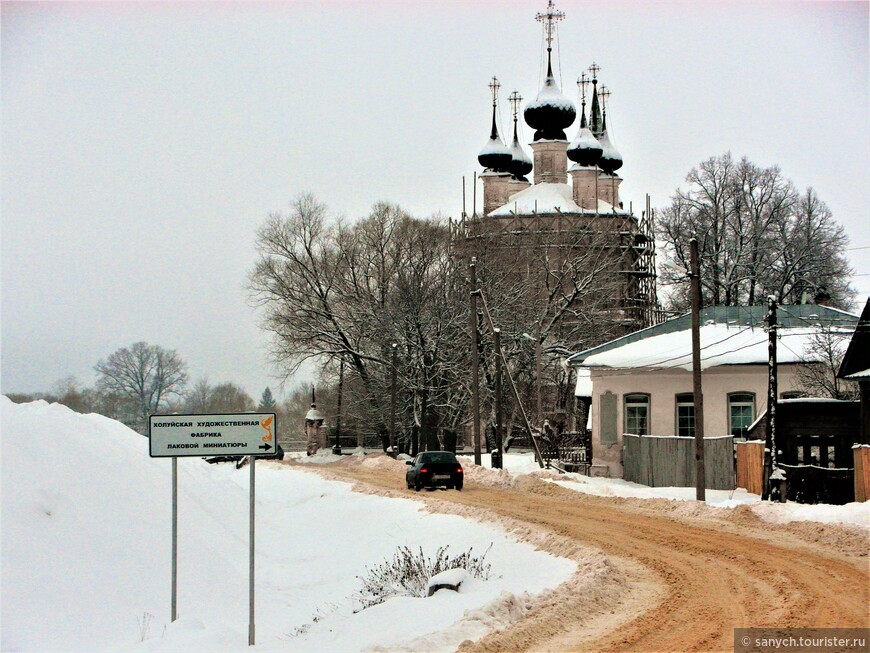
(681, 577)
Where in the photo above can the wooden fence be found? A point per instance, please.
(750, 466)
(862, 472)
(669, 461)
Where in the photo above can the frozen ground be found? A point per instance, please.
(86, 518)
(516, 464)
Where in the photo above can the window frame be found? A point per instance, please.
(647, 403)
(729, 402)
(680, 404)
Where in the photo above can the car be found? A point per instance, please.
(433, 469)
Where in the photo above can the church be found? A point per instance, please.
(571, 219)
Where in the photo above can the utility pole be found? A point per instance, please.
(475, 390)
(698, 397)
(393, 388)
(538, 374)
(772, 474)
(498, 433)
(337, 448)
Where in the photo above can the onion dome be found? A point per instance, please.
(495, 155)
(584, 150)
(521, 164)
(551, 112)
(611, 159)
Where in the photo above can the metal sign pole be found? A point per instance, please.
(251, 567)
(174, 539)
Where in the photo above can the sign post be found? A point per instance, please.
(232, 434)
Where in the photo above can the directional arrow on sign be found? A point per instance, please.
(265, 447)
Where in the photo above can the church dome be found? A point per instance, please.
(550, 113)
(585, 150)
(495, 155)
(611, 159)
(521, 164)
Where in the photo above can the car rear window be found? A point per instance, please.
(439, 457)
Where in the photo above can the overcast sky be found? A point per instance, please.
(143, 144)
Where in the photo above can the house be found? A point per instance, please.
(642, 382)
(856, 367)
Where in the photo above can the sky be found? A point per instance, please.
(144, 144)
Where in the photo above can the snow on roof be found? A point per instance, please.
(584, 140)
(495, 146)
(550, 95)
(720, 345)
(863, 374)
(584, 383)
(548, 198)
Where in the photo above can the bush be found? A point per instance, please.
(407, 573)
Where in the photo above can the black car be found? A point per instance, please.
(433, 469)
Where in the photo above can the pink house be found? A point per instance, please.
(642, 382)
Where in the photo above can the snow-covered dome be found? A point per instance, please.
(495, 155)
(611, 159)
(550, 113)
(585, 150)
(521, 164)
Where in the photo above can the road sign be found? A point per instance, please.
(230, 434)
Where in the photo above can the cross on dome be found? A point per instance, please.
(550, 18)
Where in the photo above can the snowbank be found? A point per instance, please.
(86, 552)
(517, 464)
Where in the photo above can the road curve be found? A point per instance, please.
(680, 582)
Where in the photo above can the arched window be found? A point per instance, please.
(636, 414)
(685, 415)
(741, 412)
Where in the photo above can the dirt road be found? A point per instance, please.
(654, 575)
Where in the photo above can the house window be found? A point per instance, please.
(637, 414)
(686, 415)
(741, 412)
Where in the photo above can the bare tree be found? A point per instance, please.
(817, 376)
(757, 236)
(335, 292)
(145, 375)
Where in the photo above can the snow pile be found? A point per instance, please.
(86, 519)
(547, 198)
(518, 464)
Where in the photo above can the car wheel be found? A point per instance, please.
(459, 486)
(418, 486)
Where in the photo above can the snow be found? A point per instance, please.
(547, 198)
(584, 140)
(551, 96)
(86, 519)
(455, 577)
(721, 345)
(584, 383)
(862, 374)
(853, 514)
(495, 146)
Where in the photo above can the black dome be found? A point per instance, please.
(585, 150)
(550, 113)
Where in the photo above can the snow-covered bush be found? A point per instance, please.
(407, 573)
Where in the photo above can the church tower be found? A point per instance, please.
(572, 206)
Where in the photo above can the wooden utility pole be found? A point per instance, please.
(498, 434)
(337, 448)
(475, 390)
(394, 346)
(698, 397)
(770, 436)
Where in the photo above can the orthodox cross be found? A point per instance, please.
(549, 19)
